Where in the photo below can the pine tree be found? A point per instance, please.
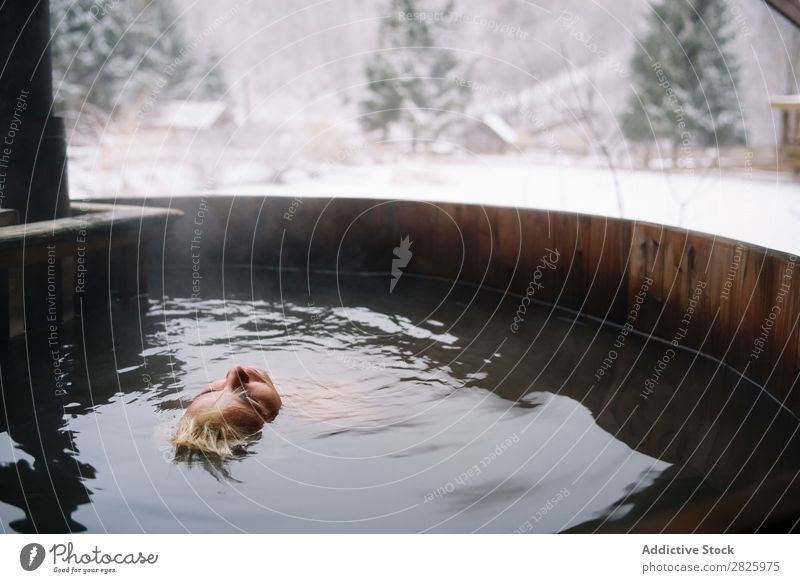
(209, 79)
(191, 75)
(109, 54)
(92, 53)
(413, 78)
(686, 77)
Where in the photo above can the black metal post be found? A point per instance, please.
(33, 160)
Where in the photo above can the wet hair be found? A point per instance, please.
(208, 431)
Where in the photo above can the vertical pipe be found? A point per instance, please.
(32, 141)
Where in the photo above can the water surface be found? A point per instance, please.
(416, 410)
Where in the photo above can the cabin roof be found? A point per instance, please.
(188, 115)
(784, 101)
(504, 131)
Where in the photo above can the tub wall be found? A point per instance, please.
(741, 304)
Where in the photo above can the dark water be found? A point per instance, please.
(416, 410)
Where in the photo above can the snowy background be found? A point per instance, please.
(505, 102)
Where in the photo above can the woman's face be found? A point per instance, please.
(234, 397)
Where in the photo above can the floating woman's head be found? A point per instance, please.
(228, 412)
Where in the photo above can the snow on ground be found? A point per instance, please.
(760, 207)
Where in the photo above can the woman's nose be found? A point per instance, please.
(237, 377)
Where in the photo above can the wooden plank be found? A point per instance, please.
(645, 265)
(484, 244)
(473, 229)
(536, 239)
(569, 236)
(509, 269)
(782, 365)
(749, 306)
(609, 252)
(675, 287)
(711, 261)
(96, 222)
(442, 235)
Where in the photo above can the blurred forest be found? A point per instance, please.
(175, 96)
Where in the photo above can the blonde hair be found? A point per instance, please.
(209, 432)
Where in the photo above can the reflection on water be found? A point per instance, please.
(417, 410)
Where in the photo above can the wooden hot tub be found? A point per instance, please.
(734, 302)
